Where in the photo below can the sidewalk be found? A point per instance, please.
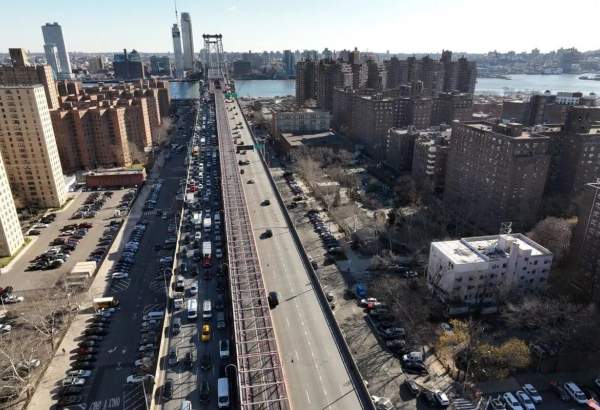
(43, 397)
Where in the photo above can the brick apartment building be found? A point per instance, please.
(430, 155)
(496, 173)
(107, 126)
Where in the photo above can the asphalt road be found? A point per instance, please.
(314, 370)
(23, 281)
(145, 291)
(186, 380)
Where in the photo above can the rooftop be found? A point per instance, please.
(483, 248)
(321, 138)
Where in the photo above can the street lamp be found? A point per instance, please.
(144, 388)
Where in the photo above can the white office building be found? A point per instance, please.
(187, 41)
(479, 269)
(177, 51)
(53, 35)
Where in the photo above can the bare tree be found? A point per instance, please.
(554, 234)
(17, 360)
(163, 131)
(137, 156)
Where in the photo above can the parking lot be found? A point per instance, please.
(24, 281)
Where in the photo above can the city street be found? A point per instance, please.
(188, 377)
(142, 293)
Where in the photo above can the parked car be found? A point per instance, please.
(532, 393)
(525, 400)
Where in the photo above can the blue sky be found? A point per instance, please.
(374, 25)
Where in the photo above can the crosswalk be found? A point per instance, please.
(119, 285)
(150, 212)
(460, 403)
(157, 286)
(153, 307)
(134, 398)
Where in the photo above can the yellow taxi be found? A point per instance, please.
(205, 333)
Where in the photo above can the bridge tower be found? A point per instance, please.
(213, 56)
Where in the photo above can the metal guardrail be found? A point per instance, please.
(259, 371)
(352, 367)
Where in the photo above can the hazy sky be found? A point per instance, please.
(374, 25)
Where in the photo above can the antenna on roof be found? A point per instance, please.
(506, 228)
(176, 16)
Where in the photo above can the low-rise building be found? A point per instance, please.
(479, 270)
(115, 178)
(300, 120)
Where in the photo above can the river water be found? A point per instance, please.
(521, 82)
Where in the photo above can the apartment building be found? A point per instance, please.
(479, 270)
(430, 155)
(108, 126)
(495, 173)
(21, 73)
(331, 75)
(575, 151)
(306, 76)
(28, 146)
(586, 235)
(11, 237)
(544, 108)
(398, 148)
(372, 117)
(451, 106)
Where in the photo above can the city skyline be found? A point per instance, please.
(463, 24)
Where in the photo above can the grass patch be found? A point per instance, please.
(69, 199)
(136, 167)
(7, 259)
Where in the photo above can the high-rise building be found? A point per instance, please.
(160, 65)
(575, 151)
(586, 235)
(330, 75)
(450, 106)
(429, 159)
(187, 41)
(11, 237)
(177, 50)
(95, 65)
(29, 149)
(496, 173)
(18, 57)
(18, 74)
(306, 76)
(53, 35)
(53, 60)
(289, 63)
(128, 66)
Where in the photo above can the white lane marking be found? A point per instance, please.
(307, 396)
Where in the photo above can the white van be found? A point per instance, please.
(224, 349)
(154, 315)
(511, 401)
(223, 392)
(192, 309)
(575, 392)
(206, 309)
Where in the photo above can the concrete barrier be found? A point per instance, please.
(353, 370)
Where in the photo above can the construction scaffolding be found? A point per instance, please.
(259, 371)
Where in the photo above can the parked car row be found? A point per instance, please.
(125, 203)
(83, 359)
(296, 189)
(92, 204)
(122, 268)
(152, 200)
(329, 241)
(61, 247)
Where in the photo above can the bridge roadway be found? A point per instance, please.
(315, 373)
